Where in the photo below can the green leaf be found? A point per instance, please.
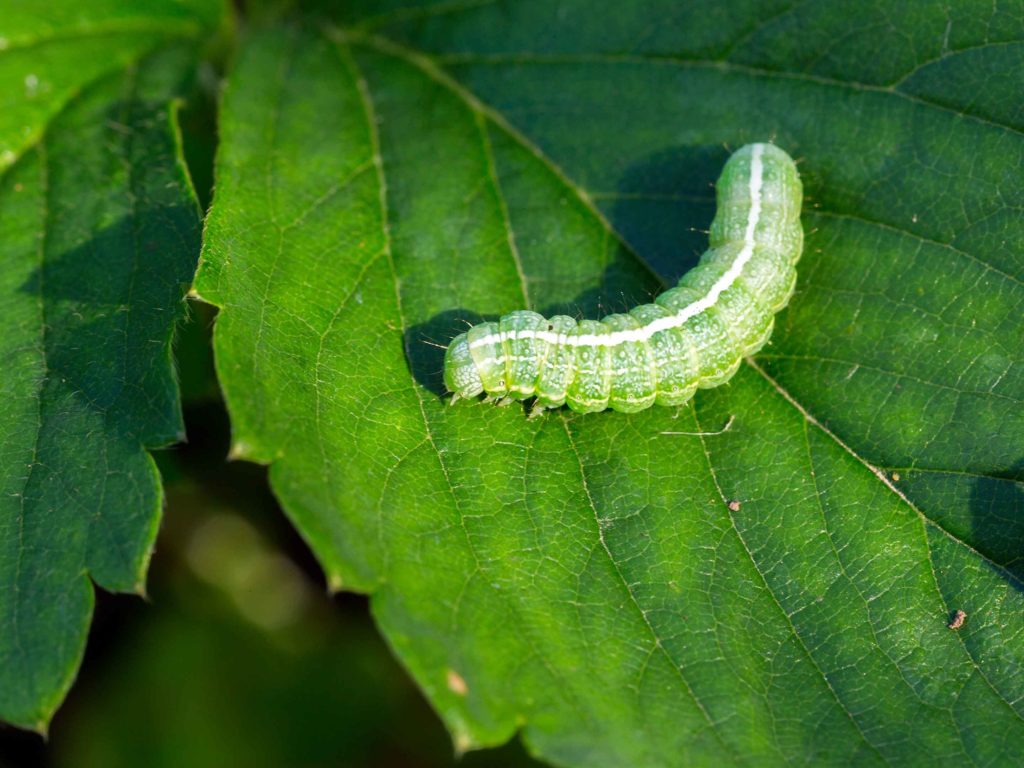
(100, 239)
(762, 577)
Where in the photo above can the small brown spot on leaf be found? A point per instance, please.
(896, 477)
(958, 619)
(734, 506)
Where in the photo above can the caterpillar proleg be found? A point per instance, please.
(693, 336)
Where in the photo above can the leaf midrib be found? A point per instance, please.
(429, 69)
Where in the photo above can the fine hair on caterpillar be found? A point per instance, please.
(691, 336)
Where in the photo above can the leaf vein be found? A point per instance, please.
(925, 520)
(632, 596)
(771, 593)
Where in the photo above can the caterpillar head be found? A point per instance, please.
(460, 374)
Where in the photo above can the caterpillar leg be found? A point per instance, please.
(537, 412)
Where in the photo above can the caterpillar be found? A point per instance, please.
(692, 336)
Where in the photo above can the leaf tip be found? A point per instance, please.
(335, 583)
(462, 741)
(42, 727)
(139, 588)
(239, 450)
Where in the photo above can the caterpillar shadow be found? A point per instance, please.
(663, 206)
(425, 345)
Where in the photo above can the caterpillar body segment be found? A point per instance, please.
(692, 336)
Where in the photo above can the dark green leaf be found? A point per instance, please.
(100, 239)
(762, 577)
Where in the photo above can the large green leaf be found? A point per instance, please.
(100, 236)
(764, 576)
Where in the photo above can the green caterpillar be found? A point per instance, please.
(693, 335)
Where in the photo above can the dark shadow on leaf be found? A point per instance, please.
(106, 304)
(618, 290)
(664, 206)
(997, 520)
(425, 345)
